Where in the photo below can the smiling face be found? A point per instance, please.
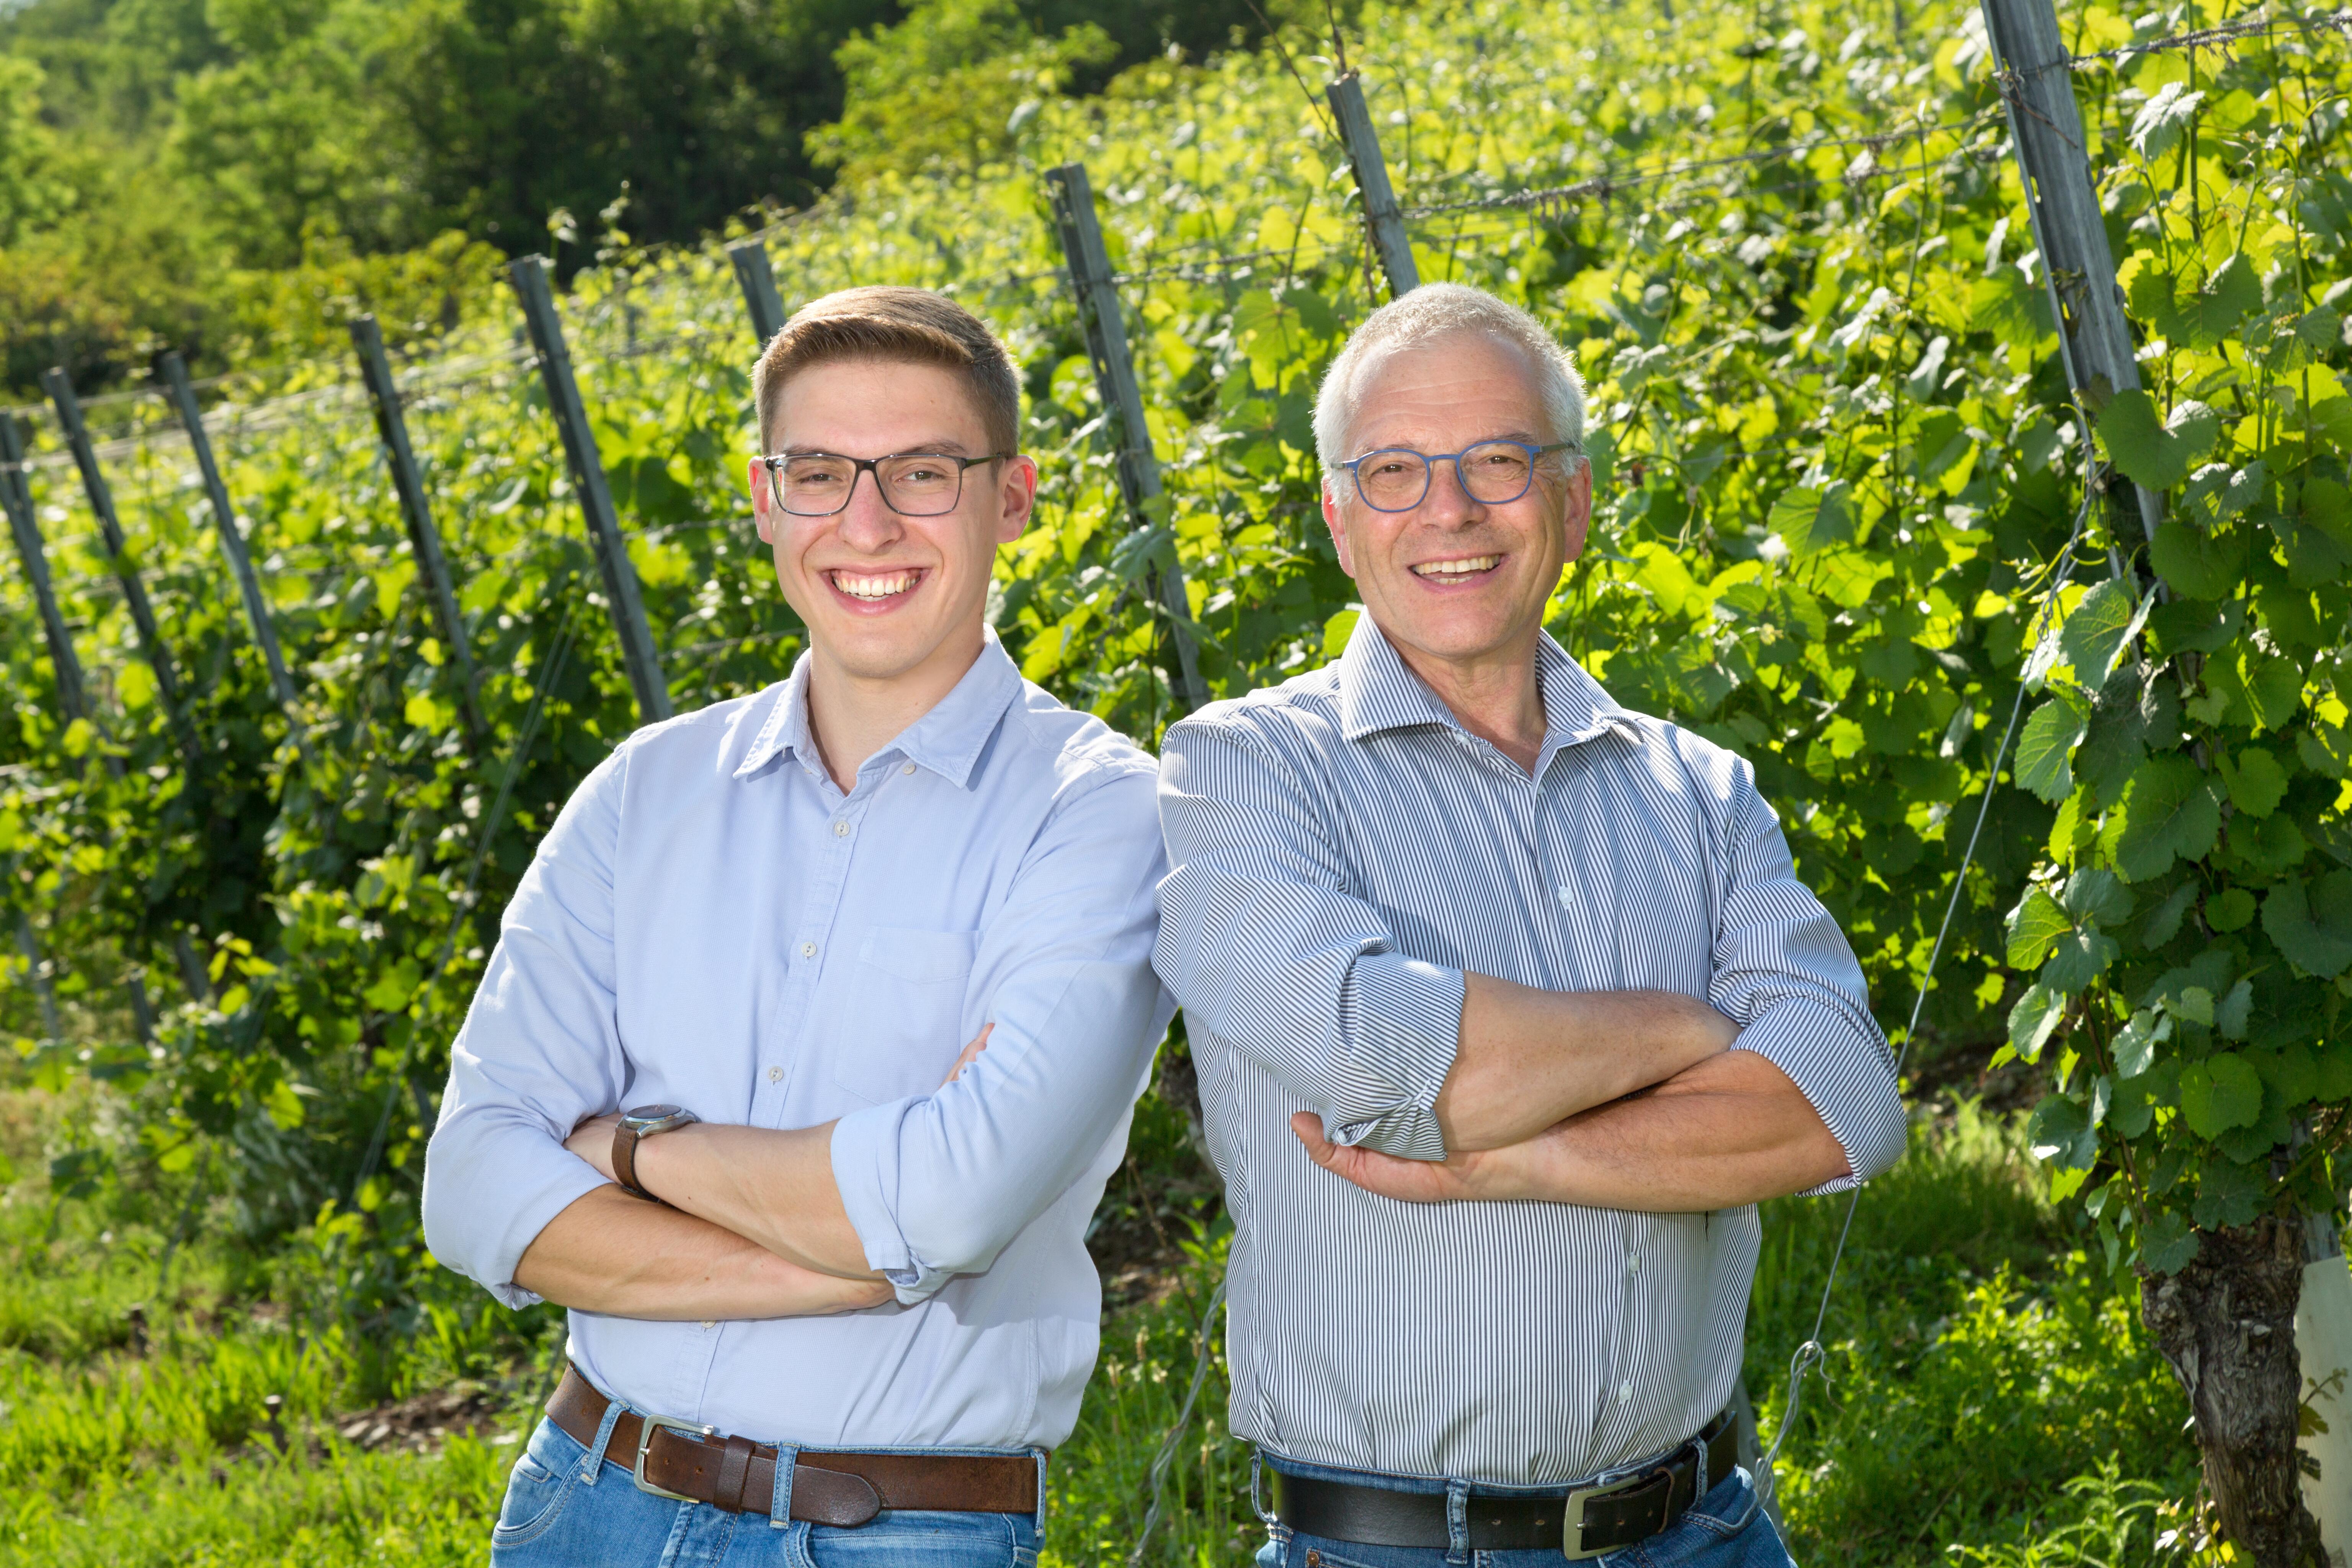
(1456, 584)
(887, 598)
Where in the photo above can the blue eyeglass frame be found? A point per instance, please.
(1429, 461)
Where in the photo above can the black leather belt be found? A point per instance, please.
(1586, 1523)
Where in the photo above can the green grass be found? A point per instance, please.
(1991, 1401)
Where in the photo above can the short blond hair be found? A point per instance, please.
(894, 324)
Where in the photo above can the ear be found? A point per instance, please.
(1339, 529)
(1017, 495)
(757, 479)
(1578, 523)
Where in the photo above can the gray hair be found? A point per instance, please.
(1435, 311)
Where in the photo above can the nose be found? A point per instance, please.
(867, 522)
(1449, 501)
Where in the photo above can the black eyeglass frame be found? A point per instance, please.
(1429, 461)
(860, 466)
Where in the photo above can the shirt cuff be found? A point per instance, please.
(1843, 1073)
(1402, 1019)
(566, 1180)
(865, 1154)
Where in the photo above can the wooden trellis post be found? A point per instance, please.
(1383, 217)
(2035, 77)
(1105, 333)
(637, 651)
(759, 285)
(416, 511)
(240, 560)
(59, 386)
(73, 698)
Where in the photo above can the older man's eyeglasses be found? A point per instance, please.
(913, 484)
(1396, 478)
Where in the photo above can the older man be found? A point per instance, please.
(1508, 1008)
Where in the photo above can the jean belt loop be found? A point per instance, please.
(780, 1510)
(1044, 1458)
(1457, 1521)
(1700, 1485)
(591, 1464)
(1265, 1515)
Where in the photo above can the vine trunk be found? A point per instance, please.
(2225, 1323)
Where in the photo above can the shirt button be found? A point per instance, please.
(1625, 1391)
(908, 769)
(808, 949)
(1632, 1263)
(775, 1074)
(1563, 897)
(841, 830)
(709, 1323)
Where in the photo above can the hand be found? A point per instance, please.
(592, 1142)
(970, 1053)
(1452, 1180)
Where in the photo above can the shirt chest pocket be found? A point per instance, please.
(910, 1012)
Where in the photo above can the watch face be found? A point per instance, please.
(652, 1113)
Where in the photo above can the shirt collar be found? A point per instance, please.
(1378, 693)
(947, 740)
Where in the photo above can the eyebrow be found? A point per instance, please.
(945, 447)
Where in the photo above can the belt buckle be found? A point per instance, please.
(1571, 1543)
(652, 1424)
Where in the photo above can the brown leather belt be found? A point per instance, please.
(695, 1464)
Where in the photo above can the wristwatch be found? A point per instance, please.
(642, 1122)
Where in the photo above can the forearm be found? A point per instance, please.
(1530, 1059)
(609, 1252)
(1731, 1130)
(774, 1189)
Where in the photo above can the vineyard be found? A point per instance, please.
(2082, 654)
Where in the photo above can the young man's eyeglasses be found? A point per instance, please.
(913, 484)
(1396, 478)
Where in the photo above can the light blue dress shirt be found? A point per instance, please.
(712, 923)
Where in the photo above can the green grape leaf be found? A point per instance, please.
(2164, 118)
(2220, 1092)
(2097, 894)
(2230, 910)
(2198, 564)
(2100, 627)
(2052, 731)
(2167, 1244)
(2227, 1193)
(2332, 1071)
(1807, 519)
(2076, 959)
(2256, 781)
(2290, 1073)
(2153, 452)
(2312, 922)
(2034, 928)
(2035, 1018)
(2164, 921)
(2060, 1131)
(2137, 1041)
(2170, 811)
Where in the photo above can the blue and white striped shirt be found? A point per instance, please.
(1343, 850)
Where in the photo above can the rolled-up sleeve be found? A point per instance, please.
(1786, 976)
(539, 1049)
(938, 1184)
(1265, 947)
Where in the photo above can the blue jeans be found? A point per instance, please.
(1726, 1529)
(562, 1511)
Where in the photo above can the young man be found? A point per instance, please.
(828, 1287)
(1507, 1007)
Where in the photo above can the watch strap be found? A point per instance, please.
(625, 1160)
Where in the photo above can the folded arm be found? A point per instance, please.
(921, 1189)
(1267, 946)
(610, 1252)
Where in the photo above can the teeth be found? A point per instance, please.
(1456, 568)
(874, 587)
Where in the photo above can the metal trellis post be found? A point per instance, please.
(759, 284)
(417, 511)
(59, 386)
(16, 496)
(1106, 333)
(1382, 216)
(2034, 73)
(529, 273)
(240, 560)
